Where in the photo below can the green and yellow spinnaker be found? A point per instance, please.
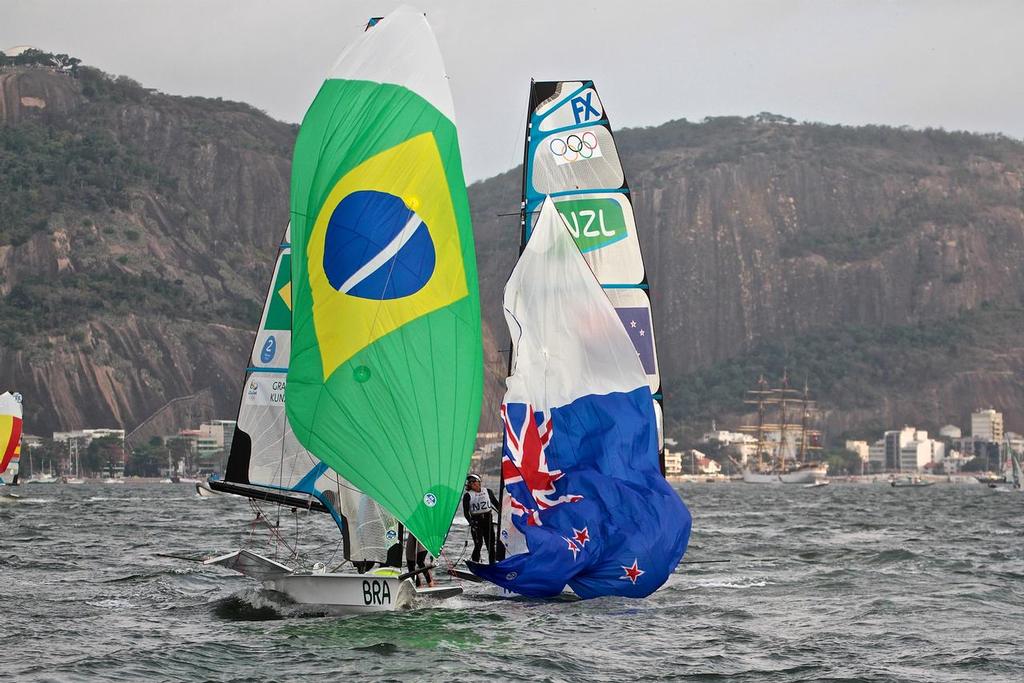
(386, 370)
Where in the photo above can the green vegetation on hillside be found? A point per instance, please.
(846, 367)
(45, 168)
(56, 305)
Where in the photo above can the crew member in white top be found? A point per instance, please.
(477, 505)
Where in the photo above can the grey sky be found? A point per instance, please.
(959, 65)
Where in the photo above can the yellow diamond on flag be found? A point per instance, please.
(286, 294)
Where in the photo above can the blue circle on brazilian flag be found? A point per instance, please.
(376, 247)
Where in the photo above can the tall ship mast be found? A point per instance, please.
(783, 449)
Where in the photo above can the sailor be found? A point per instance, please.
(416, 558)
(477, 505)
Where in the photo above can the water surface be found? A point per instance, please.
(843, 583)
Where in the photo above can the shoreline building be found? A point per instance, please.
(737, 444)
(987, 425)
(904, 450)
(203, 445)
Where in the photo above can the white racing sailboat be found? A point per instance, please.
(585, 504)
(371, 329)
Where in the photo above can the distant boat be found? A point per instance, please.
(1013, 476)
(772, 462)
(817, 483)
(909, 481)
(10, 437)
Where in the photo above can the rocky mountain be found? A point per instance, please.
(137, 231)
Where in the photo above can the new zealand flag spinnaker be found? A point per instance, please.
(580, 461)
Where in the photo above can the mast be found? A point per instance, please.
(498, 552)
(780, 463)
(760, 397)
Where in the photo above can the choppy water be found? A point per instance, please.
(853, 582)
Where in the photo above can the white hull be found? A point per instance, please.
(347, 593)
(203, 490)
(340, 593)
(804, 475)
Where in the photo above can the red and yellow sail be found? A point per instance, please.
(10, 429)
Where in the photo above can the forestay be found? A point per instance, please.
(385, 379)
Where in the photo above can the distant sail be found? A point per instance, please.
(385, 379)
(580, 462)
(571, 156)
(267, 461)
(10, 436)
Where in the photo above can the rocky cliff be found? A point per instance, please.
(137, 234)
(137, 229)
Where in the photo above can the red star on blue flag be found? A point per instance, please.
(581, 537)
(632, 573)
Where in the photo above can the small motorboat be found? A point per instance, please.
(908, 482)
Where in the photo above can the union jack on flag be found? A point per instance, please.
(528, 479)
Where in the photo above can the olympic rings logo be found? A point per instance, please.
(574, 147)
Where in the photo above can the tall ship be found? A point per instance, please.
(785, 440)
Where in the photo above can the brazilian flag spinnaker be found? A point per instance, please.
(386, 372)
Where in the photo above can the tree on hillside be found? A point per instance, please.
(104, 455)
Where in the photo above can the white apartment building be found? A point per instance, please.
(738, 444)
(84, 437)
(673, 462)
(876, 455)
(907, 449)
(915, 455)
(987, 425)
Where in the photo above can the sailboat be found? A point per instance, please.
(778, 465)
(371, 330)
(10, 440)
(584, 501)
(1012, 476)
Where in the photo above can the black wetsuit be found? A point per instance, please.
(481, 524)
(416, 558)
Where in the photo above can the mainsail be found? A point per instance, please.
(385, 377)
(10, 436)
(266, 460)
(571, 156)
(580, 462)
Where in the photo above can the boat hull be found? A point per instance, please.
(203, 490)
(346, 593)
(338, 593)
(804, 475)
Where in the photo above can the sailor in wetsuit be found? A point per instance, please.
(477, 505)
(416, 558)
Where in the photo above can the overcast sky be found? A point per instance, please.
(958, 65)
